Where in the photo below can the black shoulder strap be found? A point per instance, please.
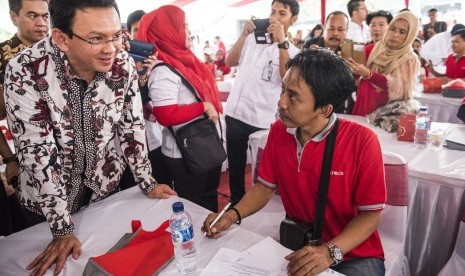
(191, 88)
(324, 182)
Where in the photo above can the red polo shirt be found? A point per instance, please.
(356, 182)
(455, 68)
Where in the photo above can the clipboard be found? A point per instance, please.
(354, 50)
(262, 36)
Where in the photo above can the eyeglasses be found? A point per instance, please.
(99, 41)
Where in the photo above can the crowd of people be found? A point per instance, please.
(87, 123)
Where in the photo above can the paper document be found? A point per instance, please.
(264, 258)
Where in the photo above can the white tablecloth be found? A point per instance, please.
(102, 224)
(442, 109)
(436, 197)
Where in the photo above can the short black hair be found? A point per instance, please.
(62, 12)
(433, 10)
(379, 13)
(17, 5)
(329, 77)
(460, 32)
(336, 13)
(353, 5)
(293, 5)
(133, 18)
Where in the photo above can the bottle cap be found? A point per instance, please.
(178, 207)
(423, 108)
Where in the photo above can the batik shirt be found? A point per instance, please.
(70, 134)
(8, 49)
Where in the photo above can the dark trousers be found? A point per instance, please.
(200, 189)
(12, 218)
(237, 137)
(159, 171)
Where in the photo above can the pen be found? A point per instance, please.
(218, 217)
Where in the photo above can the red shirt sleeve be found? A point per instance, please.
(170, 115)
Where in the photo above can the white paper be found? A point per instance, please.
(264, 258)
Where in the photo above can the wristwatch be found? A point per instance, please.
(284, 45)
(336, 253)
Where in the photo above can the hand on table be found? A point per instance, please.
(162, 191)
(310, 260)
(56, 253)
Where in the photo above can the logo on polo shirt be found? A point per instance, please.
(341, 173)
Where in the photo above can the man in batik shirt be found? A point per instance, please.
(31, 19)
(75, 114)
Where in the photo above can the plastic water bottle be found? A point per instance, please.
(422, 125)
(182, 235)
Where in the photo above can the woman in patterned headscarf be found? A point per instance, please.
(391, 69)
(174, 104)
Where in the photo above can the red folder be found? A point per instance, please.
(406, 128)
(147, 253)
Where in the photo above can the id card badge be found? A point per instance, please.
(267, 72)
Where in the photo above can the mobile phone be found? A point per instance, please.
(140, 51)
(262, 36)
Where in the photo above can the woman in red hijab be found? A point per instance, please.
(174, 104)
(220, 65)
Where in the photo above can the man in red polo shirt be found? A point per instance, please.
(455, 63)
(316, 82)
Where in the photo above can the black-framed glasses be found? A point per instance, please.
(100, 41)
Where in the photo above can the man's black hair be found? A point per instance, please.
(460, 32)
(17, 5)
(329, 77)
(380, 13)
(433, 10)
(353, 5)
(63, 12)
(457, 27)
(133, 17)
(293, 5)
(336, 13)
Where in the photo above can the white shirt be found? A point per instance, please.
(358, 33)
(252, 99)
(153, 132)
(166, 88)
(437, 48)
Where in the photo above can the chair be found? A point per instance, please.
(257, 142)
(224, 88)
(456, 264)
(393, 223)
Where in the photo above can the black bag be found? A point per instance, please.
(199, 143)
(200, 146)
(295, 234)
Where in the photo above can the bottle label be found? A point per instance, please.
(182, 235)
(423, 123)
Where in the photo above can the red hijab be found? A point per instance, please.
(165, 27)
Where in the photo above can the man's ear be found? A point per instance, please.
(294, 19)
(60, 39)
(325, 111)
(14, 18)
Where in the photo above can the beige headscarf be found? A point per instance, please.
(400, 65)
